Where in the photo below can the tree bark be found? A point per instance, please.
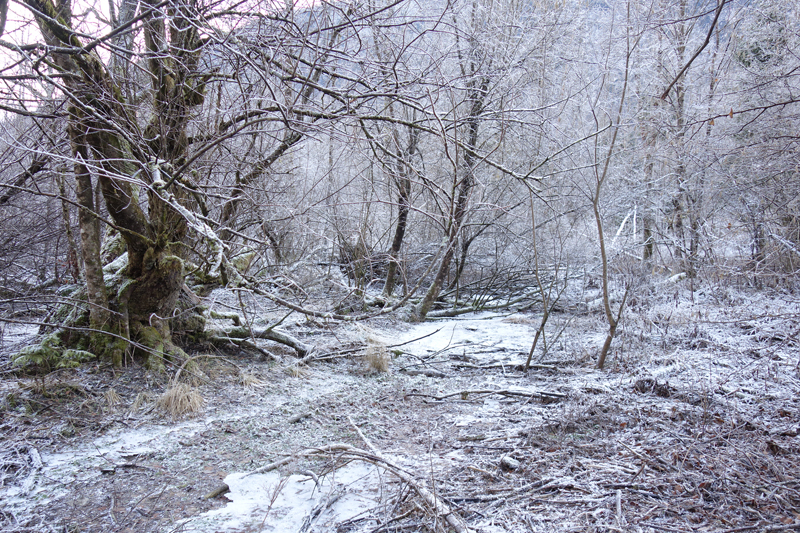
(403, 182)
(101, 130)
(403, 202)
(99, 313)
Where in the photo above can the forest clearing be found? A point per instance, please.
(399, 265)
(692, 427)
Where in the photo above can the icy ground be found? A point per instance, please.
(693, 426)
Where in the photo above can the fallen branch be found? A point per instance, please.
(219, 491)
(270, 334)
(346, 451)
(245, 344)
(500, 365)
(305, 453)
(475, 308)
(464, 394)
(280, 337)
(234, 317)
(430, 498)
(765, 529)
(429, 372)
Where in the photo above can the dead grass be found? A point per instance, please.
(112, 398)
(139, 402)
(250, 380)
(377, 357)
(296, 371)
(180, 400)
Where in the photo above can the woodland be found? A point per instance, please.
(212, 205)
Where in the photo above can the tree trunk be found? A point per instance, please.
(404, 193)
(74, 266)
(477, 96)
(436, 287)
(454, 229)
(648, 244)
(96, 295)
(403, 181)
(145, 293)
(647, 238)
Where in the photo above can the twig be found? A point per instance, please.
(659, 464)
(415, 340)
(393, 519)
(363, 437)
(765, 529)
(697, 53)
(338, 353)
(111, 510)
(298, 418)
(323, 504)
(662, 528)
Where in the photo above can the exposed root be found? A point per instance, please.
(239, 334)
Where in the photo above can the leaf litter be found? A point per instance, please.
(693, 426)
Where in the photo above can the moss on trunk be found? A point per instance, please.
(144, 313)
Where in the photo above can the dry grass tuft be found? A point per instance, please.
(112, 398)
(181, 399)
(377, 357)
(295, 371)
(524, 320)
(250, 380)
(139, 401)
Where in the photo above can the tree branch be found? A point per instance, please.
(697, 53)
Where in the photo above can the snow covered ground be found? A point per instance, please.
(699, 400)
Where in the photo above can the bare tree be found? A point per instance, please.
(144, 154)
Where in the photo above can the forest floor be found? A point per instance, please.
(693, 426)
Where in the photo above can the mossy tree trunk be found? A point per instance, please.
(100, 315)
(108, 144)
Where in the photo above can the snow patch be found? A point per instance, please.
(270, 502)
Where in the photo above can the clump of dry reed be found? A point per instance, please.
(180, 399)
(376, 355)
